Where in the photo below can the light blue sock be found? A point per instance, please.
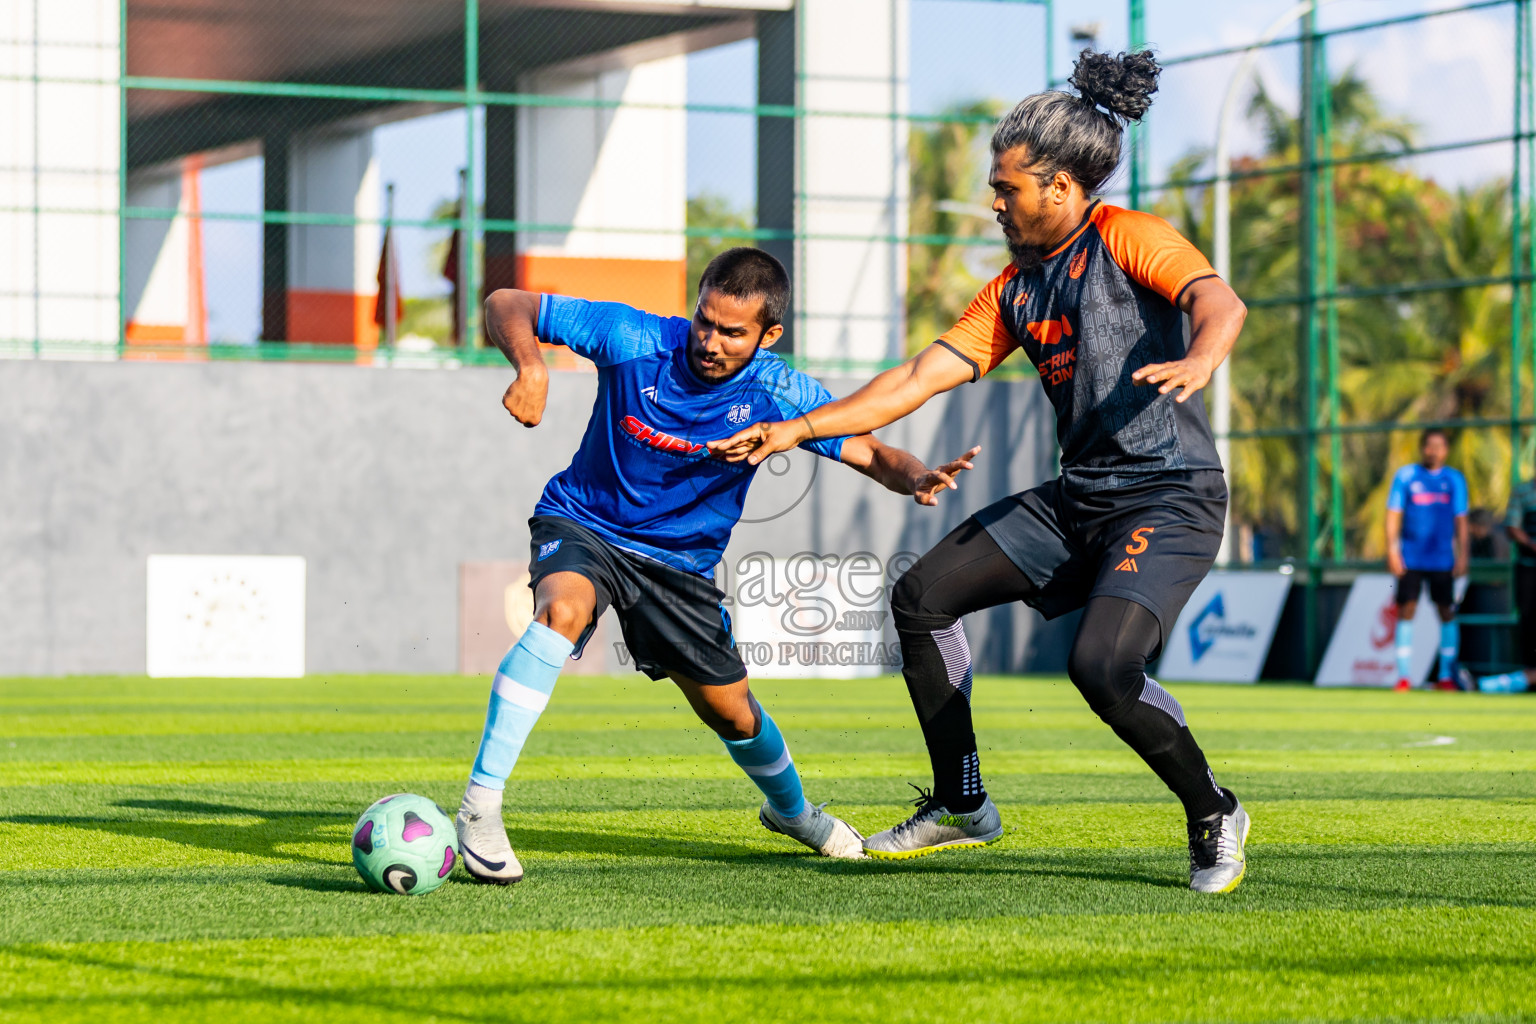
(1450, 645)
(1510, 682)
(1404, 649)
(766, 760)
(519, 694)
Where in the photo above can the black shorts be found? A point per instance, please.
(673, 621)
(1152, 543)
(1442, 586)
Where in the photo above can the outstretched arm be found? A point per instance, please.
(885, 399)
(1394, 542)
(1216, 317)
(512, 322)
(1463, 546)
(901, 471)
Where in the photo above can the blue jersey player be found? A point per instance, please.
(1427, 544)
(642, 515)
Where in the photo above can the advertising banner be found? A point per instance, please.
(225, 616)
(1363, 649)
(1224, 632)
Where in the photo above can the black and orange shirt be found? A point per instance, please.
(1102, 305)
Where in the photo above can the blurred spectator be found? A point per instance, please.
(1486, 542)
(1520, 525)
(1427, 544)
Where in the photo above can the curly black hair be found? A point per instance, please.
(1081, 134)
(1122, 85)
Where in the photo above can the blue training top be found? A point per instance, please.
(643, 478)
(1430, 503)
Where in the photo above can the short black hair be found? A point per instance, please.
(746, 273)
(1081, 134)
(1439, 432)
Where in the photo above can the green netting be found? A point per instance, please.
(1380, 300)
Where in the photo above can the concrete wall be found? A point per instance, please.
(385, 480)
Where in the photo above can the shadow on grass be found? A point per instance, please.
(1186, 964)
(228, 987)
(226, 810)
(264, 835)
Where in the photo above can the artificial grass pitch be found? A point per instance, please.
(177, 851)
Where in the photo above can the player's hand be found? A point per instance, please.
(525, 396)
(1189, 374)
(760, 440)
(927, 484)
(1395, 564)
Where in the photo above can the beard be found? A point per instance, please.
(1026, 257)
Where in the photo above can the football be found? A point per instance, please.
(404, 844)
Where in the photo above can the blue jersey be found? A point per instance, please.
(1430, 503)
(643, 478)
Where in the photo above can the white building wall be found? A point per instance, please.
(854, 179)
(333, 269)
(607, 167)
(59, 162)
(155, 295)
(614, 178)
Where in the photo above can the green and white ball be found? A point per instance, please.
(404, 843)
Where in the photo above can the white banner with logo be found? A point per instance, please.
(225, 616)
(1363, 649)
(1224, 632)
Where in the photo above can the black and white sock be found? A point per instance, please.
(937, 668)
(1153, 725)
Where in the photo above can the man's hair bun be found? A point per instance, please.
(1121, 84)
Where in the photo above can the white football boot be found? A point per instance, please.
(827, 834)
(483, 844)
(933, 827)
(1217, 860)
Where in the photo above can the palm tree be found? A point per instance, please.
(949, 200)
(1410, 357)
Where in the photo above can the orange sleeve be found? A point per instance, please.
(981, 338)
(1151, 251)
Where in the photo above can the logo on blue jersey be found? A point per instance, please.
(738, 415)
(647, 434)
(649, 393)
(545, 550)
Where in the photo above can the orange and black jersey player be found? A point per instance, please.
(1100, 305)
(1096, 297)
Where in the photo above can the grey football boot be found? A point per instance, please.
(827, 834)
(934, 827)
(1217, 860)
(484, 847)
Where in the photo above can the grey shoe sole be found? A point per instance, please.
(986, 839)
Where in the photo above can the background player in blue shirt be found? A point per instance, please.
(1427, 543)
(642, 516)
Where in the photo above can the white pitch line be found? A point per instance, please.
(1433, 741)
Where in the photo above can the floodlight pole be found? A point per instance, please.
(1221, 380)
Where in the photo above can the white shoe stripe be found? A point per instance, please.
(760, 770)
(514, 692)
